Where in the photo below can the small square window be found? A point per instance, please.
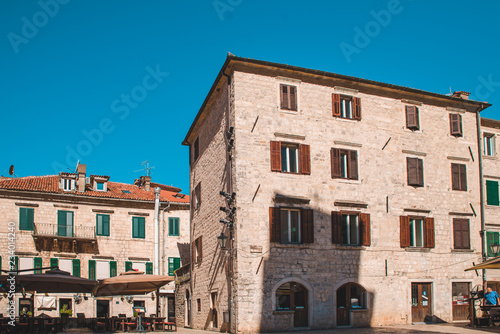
(99, 186)
(288, 96)
(412, 118)
(68, 184)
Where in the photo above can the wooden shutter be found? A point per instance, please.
(92, 269)
(335, 154)
(429, 232)
(336, 105)
(357, 108)
(337, 227)
(307, 226)
(364, 229)
(420, 172)
(305, 159)
(456, 125)
(275, 156)
(275, 224)
(54, 262)
(461, 234)
(149, 268)
(76, 267)
(16, 263)
(284, 97)
(353, 165)
(105, 225)
(142, 227)
(293, 97)
(61, 223)
(112, 269)
(128, 266)
(37, 264)
(492, 193)
(412, 171)
(412, 117)
(404, 230)
(463, 178)
(200, 248)
(455, 176)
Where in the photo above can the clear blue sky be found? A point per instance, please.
(67, 69)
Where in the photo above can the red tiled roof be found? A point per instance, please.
(50, 184)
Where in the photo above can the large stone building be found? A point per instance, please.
(93, 228)
(356, 202)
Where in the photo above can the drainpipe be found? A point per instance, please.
(163, 241)
(481, 191)
(157, 233)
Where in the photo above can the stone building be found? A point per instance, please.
(347, 202)
(93, 228)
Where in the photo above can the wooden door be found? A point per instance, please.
(300, 318)
(460, 304)
(421, 302)
(214, 309)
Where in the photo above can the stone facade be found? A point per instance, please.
(316, 273)
(119, 246)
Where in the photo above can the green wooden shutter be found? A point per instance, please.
(143, 227)
(16, 263)
(492, 238)
(105, 222)
(61, 223)
(22, 219)
(149, 268)
(38, 264)
(492, 192)
(26, 218)
(128, 266)
(54, 262)
(92, 269)
(173, 226)
(112, 268)
(76, 267)
(102, 225)
(174, 263)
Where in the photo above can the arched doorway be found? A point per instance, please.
(187, 309)
(293, 296)
(350, 296)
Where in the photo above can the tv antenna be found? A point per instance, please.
(11, 171)
(146, 168)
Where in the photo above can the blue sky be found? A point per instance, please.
(114, 83)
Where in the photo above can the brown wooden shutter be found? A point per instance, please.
(364, 229)
(335, 154)
(463, 178)
(353, 165)
(357, 108)
(456, 124)
(461, 233)
(293, 97)
(465, 234)
(412, 171)
(404, 230)
(305, 159)
(275, 224)
(455, 176)
(275, 156)
(420, 172)
(336, 105)
(200, 247)
(412, 117)
(429, 232)
(193, 252)
(284, 97)
(336, 227)
(307, 228)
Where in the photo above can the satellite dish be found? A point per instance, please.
(11, 170)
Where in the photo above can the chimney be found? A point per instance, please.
(81, 170)
(461, 94)
(146, 182)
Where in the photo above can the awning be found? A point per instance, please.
(490, 264)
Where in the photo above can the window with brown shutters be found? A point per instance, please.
(415, 172)
(197, 250)
(461, 234)
(344, 164)
(197, 196)
(291, 225)
(344, 106)
(351, 228)
(275, 224)
(458, 177)
(429, 232)
(404, 231)
(290, 158)
(412, 121)
(307, 226)
(416, 232)
(456, 125)
(288, 97)
(196, 150)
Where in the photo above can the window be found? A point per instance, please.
(149, 268)
(288, 97)
(492, 193)
(489, 144)
(291, 226)
(198, 303)
(26, 219)
(103, 269)
(65, 223)
(173, 226)
(346, 107)
(417, 232)
(102, 225)
(37, 261)
(461, 234)
(174, 263)
(412, 121)
(351, 296)
(351, 228)
(197, 250)
(290, 158)
(138, 227)
(76, 267)
(25, 263)
(415, 171)
(458, 177)
(491, 239)
(99, 186)
(92, 273)
(197, 196)
(68, 184)
(456, 125)
(196, 150)
(291, 296)
(344, 164)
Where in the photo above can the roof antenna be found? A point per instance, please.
(11, 171)
(147, 168)
(450, 93)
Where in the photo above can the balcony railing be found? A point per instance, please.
(55, 230)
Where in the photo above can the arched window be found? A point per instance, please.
(351, 296)
(291, 296)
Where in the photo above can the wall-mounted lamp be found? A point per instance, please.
(222, 240)
(495, 249)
